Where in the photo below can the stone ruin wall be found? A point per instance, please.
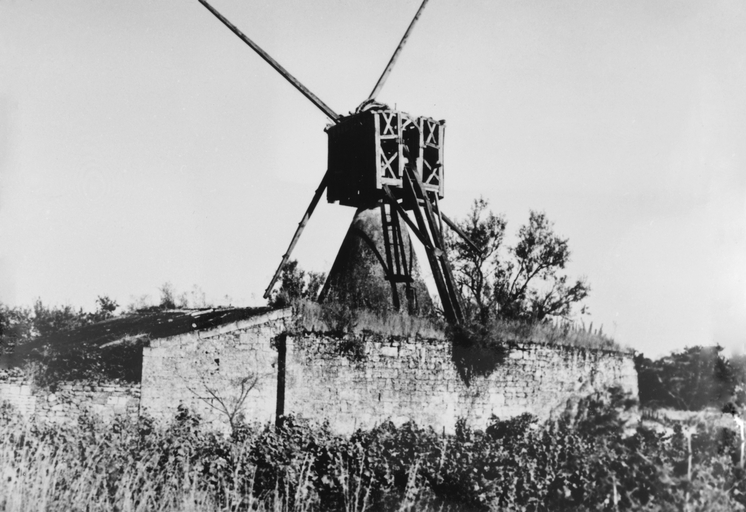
(350, 383)
(406, 380)
(68, 400)
(200, 368)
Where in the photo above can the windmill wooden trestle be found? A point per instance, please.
(396, 267)
(380, 157)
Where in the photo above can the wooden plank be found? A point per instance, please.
(452, 314)
(449, 281)
(403, 214)
(379, 171)
(272, 62)
(298, 231)
(387, 70)
(459, 231)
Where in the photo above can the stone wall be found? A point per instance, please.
(349, 382)
(204, 370)
(354, 386)
(16, 391)
(104, 399)
(69, 399)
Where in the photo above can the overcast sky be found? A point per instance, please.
(142, 142)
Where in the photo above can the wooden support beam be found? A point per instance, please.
(459, 231)
(272, 62)
(392, 61)
(403, 213)
(298, 231)
(449, 281)
(452, 314)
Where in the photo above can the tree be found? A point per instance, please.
(21, 324)
(227, 397)
(474, 268)
(691, 379)
(16, 326)
(49, 320)
(168, 296)
(523, 282)
(295, 284)
(105, 307)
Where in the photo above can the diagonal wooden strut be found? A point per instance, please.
(437, 234)
(432, 258)
(296, 236)
(432, 240)
(389, 197)
(459, 231)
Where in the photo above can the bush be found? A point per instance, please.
(583, 462)
(692, 379)
(296, 284)
(475, 351)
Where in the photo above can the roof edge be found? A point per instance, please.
(277, 314)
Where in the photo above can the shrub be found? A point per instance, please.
(587, 462)
(475, 351)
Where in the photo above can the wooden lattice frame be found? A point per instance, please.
(430, 164)
(390, 157)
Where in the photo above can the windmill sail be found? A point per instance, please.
(272, 62)
(392, 61)
(388, 161)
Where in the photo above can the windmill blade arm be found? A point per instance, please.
(272, 62)
(392, 61)
(298, 231)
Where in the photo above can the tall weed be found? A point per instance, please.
(591, 460)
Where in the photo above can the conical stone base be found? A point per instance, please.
(358, 277)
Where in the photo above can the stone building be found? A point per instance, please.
(258, 364)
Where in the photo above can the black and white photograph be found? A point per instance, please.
(358, 255)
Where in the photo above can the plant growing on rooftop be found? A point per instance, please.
(296, 284)
(168, 296)
(105, 307)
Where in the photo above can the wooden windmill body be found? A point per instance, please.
(390, 161)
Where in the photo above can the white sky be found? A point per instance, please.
(142, 142)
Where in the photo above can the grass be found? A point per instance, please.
(90, 467)
(561, 332)
(340, 319)
(586, 462)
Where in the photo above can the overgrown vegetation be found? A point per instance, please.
(296, 284)
(48, 367)
(524, 282)
(339, 319)
(52, 358)
(588, 461)
(478, 345)
(517, 293)
(692, 379)
(21, 324)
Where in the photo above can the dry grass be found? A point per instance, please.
(312, 316)
(340, 319)
(564, 333)
(72, 469)
(42, 475)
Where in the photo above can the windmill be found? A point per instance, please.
(384, 158)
